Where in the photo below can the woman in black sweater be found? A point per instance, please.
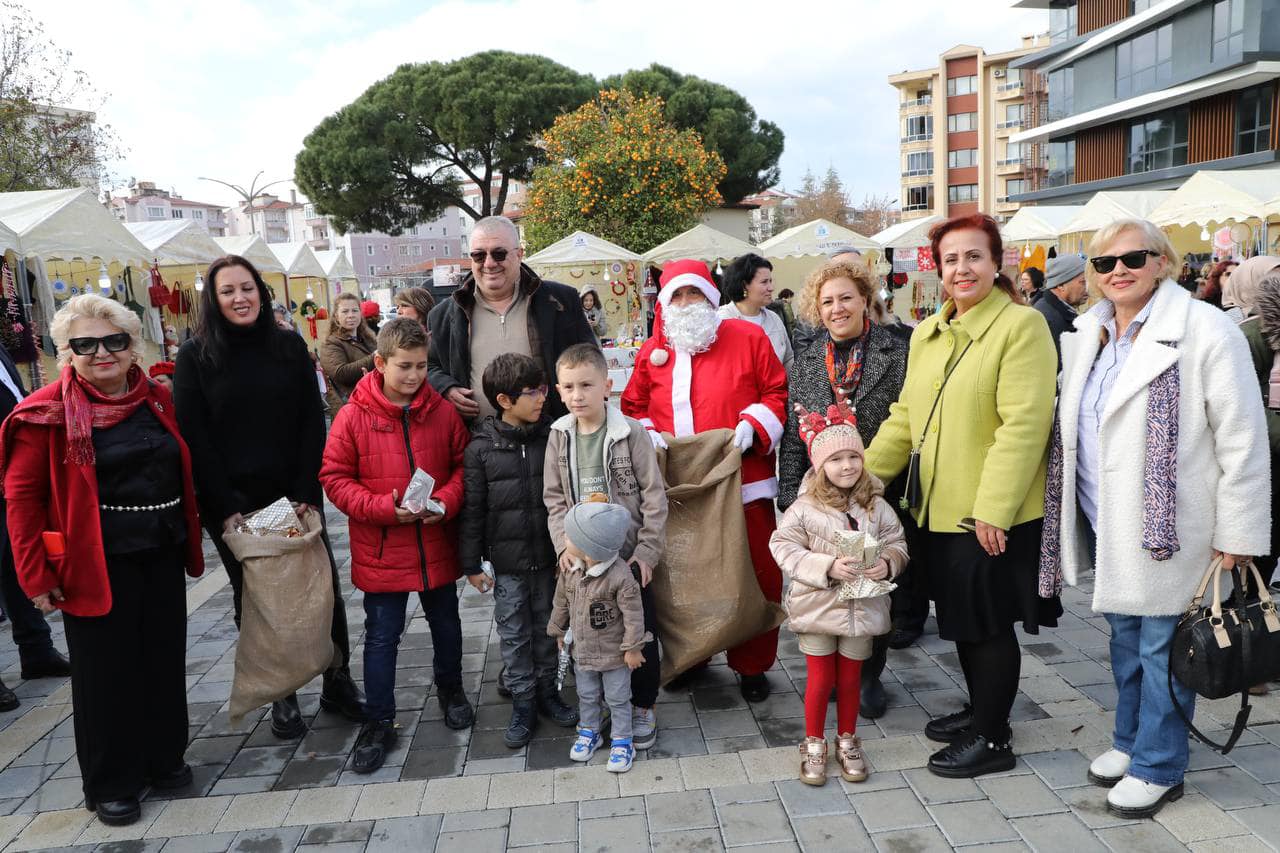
(249, 408)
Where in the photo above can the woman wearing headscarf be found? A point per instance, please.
(1240, 291)
(102, 516)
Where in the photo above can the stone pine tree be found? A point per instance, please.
(618, 169)
(399, 154)
(749, 146)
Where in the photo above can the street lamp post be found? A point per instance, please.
(250, 195)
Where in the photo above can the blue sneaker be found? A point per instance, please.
(621, 755)
(585, 746)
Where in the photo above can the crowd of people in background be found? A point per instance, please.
(1015, 441)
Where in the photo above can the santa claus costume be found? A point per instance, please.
(734, 381)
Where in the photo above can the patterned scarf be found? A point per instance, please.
(1159, 484)
(846, 378)
(83, 408)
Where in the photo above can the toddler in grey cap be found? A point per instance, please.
(598, 602)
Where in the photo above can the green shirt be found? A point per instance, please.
(589, 449)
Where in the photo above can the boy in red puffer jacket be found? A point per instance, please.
(393, 424)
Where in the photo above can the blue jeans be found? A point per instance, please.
(1148, 728)
(383, 625)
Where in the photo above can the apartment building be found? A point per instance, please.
(144, 202)
(1139, 94)
(957, 120)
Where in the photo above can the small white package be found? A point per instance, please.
(417, 496)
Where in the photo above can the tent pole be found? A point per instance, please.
(24, 291)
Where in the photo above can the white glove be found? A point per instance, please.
(744, 436)
(659, 443)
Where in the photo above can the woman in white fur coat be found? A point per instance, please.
(1159, 463)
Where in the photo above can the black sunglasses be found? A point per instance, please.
(499, 255)
(88, 346)
(1134, 260)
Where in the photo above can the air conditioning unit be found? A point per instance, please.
(999, 72)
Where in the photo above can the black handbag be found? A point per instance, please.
(912, 493)
(1217, 651)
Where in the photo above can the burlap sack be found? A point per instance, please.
(285, 617)
(706, 594)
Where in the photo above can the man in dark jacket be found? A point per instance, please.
(502, 306)
(1064, 291)
(30, 630)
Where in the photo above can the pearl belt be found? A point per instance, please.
(145, 508)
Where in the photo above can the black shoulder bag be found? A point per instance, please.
(911, 494)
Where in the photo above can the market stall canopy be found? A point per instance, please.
(297, 259)
(67, 225)
(252, 248)
(1040, 224)
(8, 239)
(335, 263)
(581, 248)
(814, 238)
(1106, 207)
(907, 235)
(172, 242)
(1210, 196)
(701, 242)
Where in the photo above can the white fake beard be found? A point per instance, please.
(691, 328)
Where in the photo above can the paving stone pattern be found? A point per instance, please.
(723, 773)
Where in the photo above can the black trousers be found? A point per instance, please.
(909, 603)
(128, 676)
(235, 573)
(30, 630)
(644, 679)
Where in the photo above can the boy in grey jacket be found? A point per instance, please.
(598, 601)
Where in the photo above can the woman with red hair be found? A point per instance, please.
(1211, 292)
(971, 428)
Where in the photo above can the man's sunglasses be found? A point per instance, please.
(499, 255)
(88, 346)
(1135, 260)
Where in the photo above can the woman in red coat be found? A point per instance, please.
(394, 424)
(102, 515)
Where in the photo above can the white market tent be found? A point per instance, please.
(814, 238)
(1106, 207)
(1039, 224)
(297, 259)
(8, 239)
(175, 242)
(1217, 197)
(701, 242)
(67, 225)
(581, 248)
(335, 263)
(907, 235)
(252, 248)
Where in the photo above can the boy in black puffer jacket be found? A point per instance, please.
(504, 521)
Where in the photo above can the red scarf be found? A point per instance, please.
(83, 408)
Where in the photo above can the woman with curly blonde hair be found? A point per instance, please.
(855, 360)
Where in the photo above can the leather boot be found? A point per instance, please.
(950, 728)
(173, 780)
(853, 764)
(972, 756)
(341, 696)
(52, 664)
(874, 700)
(524, 720)
(376, 740)
(754, 688)
(458, 713)
(286, 718)
(551, 706)
(115, 812)
(813, 761)
(8, 699)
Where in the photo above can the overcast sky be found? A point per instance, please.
(226, 88)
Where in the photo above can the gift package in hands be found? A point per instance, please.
(863, 549)
(417, 497)
(277, 519)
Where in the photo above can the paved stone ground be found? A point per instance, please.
(722, 774)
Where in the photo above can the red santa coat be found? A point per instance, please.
(738, 378)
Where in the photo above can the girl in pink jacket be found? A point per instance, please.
(837, 494)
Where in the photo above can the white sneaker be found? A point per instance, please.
(585, 746)
(644, 727)
(1132, 798)
(620, 757)
(1108, 768)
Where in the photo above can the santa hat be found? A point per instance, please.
(369, 309)
(826, 436)
(675, 275)
(161, 368)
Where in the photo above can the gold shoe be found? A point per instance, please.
(813, 766)
(853, 766)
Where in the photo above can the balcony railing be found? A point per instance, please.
(918, 102)
(919, 137)
(1008, 124)
(910, 208)
(918, 173)
(1009, 87)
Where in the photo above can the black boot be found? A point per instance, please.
(755, 688)
(952, 727)
(52, 664)
(173, 780)
(903, 637)
(341, 696)
(503, 690)
(550, 705)
(524, 720)
(115, 812)
(376, 740)
(458, 713)
(874, 701)
(8, 699)
(286, 718)
(973, 755)
(688, 678)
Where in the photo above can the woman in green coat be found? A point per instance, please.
(978, 406)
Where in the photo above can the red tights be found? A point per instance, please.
(833, 670)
